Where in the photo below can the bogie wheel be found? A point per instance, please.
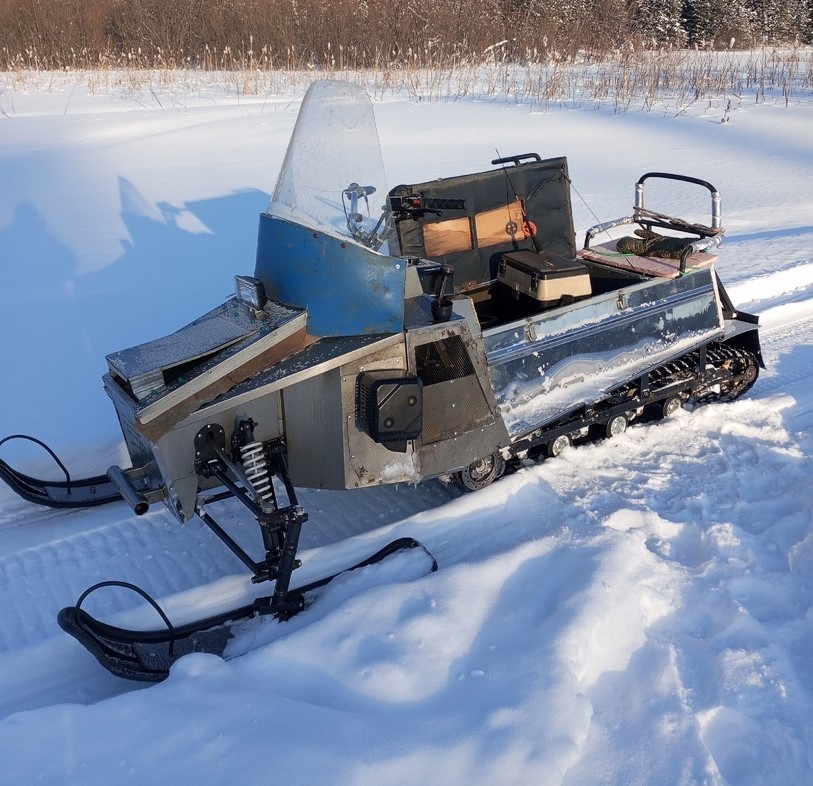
(616, 426)
(556, 446)
(482, 473)
(751, 372)
(670, 405)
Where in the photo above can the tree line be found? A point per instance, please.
(351, 34)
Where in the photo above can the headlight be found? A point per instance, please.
(250, 290)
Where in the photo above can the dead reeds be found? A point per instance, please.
(537, 52)
(352, 35)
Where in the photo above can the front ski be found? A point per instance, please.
(81, 493)
(147, 656)
(68, 493)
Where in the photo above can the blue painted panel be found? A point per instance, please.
(347, 289)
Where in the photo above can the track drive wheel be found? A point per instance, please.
(481, 473)
(616, 426)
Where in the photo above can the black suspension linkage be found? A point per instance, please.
(280, 526)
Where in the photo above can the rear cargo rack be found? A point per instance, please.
(690, 256)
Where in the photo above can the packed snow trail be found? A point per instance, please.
(598, 579)
(64, 553)
(155, 553)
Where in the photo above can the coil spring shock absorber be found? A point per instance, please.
(255, 463)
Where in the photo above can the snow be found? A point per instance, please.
(636, 611)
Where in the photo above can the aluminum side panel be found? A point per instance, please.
(546, 365)
(326, 447)
(314, 431)
(466, 446)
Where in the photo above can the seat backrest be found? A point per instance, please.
(497, 204)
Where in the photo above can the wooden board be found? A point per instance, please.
(500, 225)
(206, 336)
(606, 254)
(158, 419)
(447, 237)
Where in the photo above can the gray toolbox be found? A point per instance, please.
(547, 278)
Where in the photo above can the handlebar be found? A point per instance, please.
(683, 178)
(515, 160)
(716, 209)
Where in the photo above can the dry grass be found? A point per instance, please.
(627, 80)
(353, 35)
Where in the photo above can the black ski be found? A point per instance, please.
(147, 656)
(82, 493)
(68, 493)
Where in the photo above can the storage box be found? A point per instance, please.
(547, 278)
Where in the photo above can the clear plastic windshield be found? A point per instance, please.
(333, 154)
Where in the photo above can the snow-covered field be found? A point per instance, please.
(635, 612)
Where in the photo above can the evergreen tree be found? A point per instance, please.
(781, 21)
(717, 23)
(697, 21)
(660, 20)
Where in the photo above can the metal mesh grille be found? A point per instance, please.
(453, 408)
(442, 361)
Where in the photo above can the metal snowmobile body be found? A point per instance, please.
(338, 316)
(459, 334)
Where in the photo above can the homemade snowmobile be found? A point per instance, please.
(457, 334)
